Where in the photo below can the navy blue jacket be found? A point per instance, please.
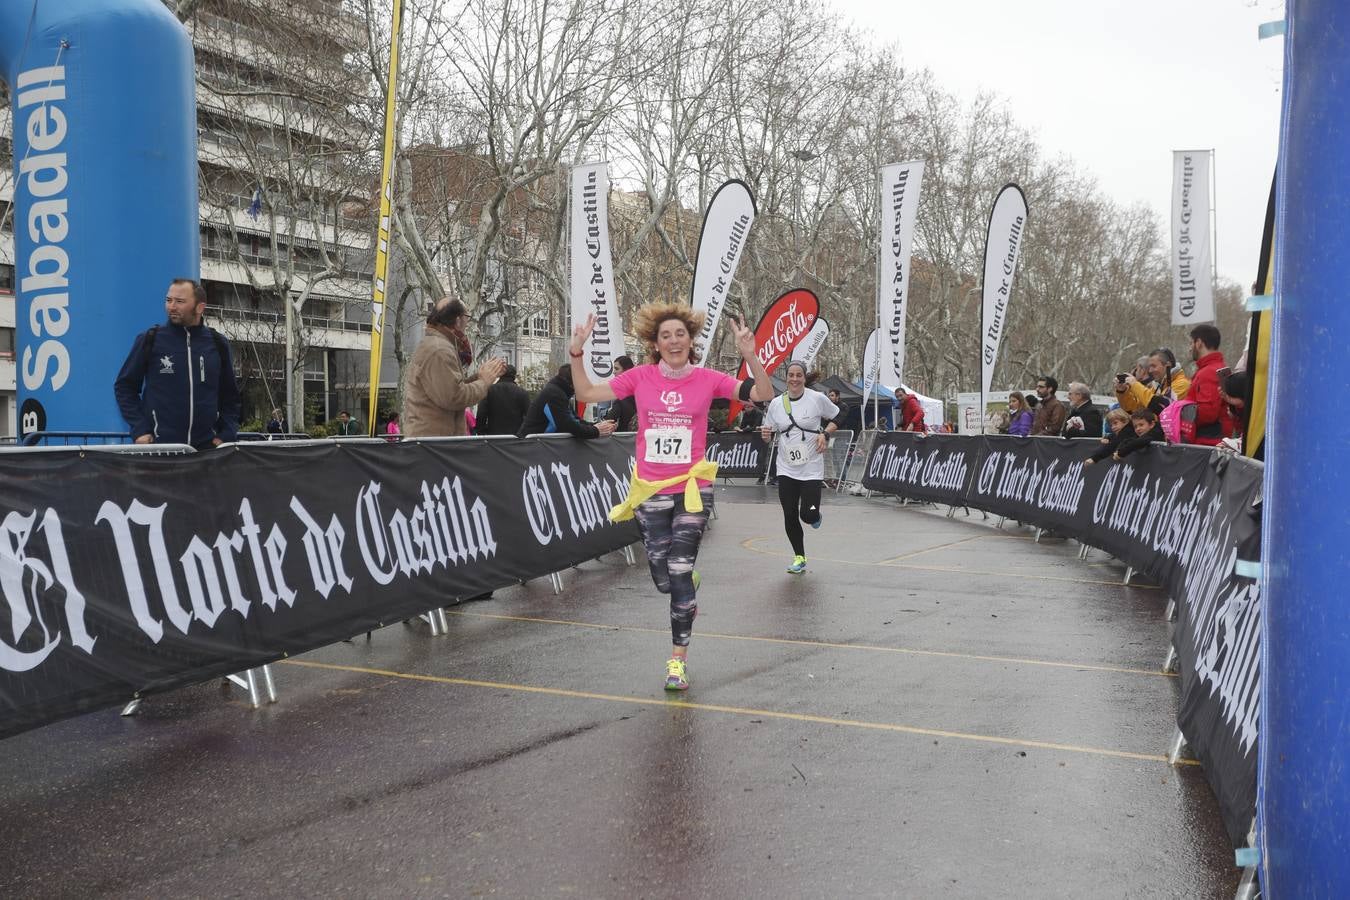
(180, 390)
(550, 412)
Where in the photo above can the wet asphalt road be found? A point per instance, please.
(937, 709)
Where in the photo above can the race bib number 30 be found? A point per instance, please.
(669, 445)
(796, 454)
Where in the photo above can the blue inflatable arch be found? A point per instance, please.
(105, 165)
(1304, 787)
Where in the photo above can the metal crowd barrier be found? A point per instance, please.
(837, 456)
(74, 438)
(855, 462)
(245, 436)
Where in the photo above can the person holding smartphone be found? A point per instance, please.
(1160, 377)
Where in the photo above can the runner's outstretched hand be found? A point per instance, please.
(580, 333)
(745, 338)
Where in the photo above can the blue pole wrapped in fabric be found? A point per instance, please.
(1304, 795)
(103, 96)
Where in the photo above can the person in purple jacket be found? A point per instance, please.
(1019, 417)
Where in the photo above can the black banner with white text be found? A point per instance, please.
(126, 574)
(1183, 515)
(738, 454)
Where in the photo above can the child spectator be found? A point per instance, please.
(1118, 421)
(1147, 430)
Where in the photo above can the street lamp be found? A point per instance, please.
(802, 155)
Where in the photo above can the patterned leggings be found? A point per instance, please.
(671, 536)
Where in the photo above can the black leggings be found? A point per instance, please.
(800, 499)
(671, 536)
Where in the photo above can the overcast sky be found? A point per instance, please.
(1117, 85)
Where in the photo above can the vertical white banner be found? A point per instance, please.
(593, 269)
(806, 351)
(726, 224)
(870, 365)
(1192, 287)
(900, 184)
(1002, 244)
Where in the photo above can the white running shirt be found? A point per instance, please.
(797, 454)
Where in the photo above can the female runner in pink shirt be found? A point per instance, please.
(671, 494)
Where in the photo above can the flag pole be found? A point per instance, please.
(1213, 227)
(378, 283)
(876, 350)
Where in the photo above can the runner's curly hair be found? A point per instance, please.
(647, 324)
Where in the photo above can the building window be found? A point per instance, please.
(6, 343)
(536, 324)
(6, 278)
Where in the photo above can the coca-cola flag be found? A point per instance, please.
(900, 184)
(783, 326)
(592, 271)
(726, 225)
(1003, 242)
(809, 348)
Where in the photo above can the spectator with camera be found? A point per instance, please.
(1125, 382)
(1162, 378)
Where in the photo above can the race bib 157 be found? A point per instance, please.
(669, 445)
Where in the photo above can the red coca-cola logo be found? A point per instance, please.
(782, 327)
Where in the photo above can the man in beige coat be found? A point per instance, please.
(436, 391)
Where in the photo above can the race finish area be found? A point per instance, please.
(936, 708)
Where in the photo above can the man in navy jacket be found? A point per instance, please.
(177, 385)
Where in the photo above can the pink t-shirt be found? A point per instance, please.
(672, 416)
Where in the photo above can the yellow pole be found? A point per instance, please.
(382, 239)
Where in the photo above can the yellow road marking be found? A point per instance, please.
(978, 537)
(961, 570)
(909, 651)
(743, 711)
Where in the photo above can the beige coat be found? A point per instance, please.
(435, 392)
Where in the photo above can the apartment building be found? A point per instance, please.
(285, 194)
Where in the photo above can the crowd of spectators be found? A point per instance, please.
(1208, 406)
(1156, 401)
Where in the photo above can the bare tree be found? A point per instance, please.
(284, 164)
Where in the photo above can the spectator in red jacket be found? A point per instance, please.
(911, 413)
(1213, 421)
